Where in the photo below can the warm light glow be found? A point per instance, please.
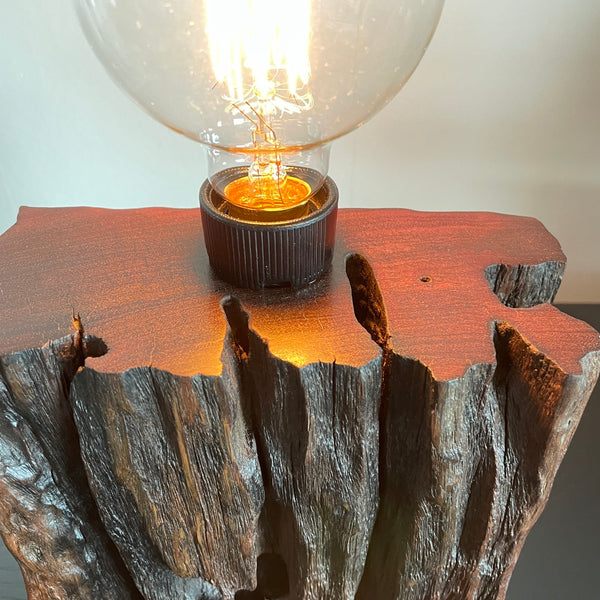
(281, 202)
(259, 52)
(253, 42)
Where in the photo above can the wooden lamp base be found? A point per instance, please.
(391, 432)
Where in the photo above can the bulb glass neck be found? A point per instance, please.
(270, 184)
(266, 187)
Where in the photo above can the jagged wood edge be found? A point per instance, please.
(175, 477)
(590, 368)
(316, 429)
(453, 517)
(48, 518)
(305, 493)
(525, 286)
(477, 535)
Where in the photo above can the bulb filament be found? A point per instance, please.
(259, 52)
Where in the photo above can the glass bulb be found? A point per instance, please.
(264, 84)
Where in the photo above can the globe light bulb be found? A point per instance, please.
(265, 85)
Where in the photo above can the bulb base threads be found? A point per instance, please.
(257, 255)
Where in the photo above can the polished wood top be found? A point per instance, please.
(140, 279)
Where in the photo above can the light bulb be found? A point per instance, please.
(265, 85)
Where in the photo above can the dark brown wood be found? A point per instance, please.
(137, 276)
(48, 518)
(173, 464)
(389, 433)
(468, 467)
(317, 438)
(176, 478)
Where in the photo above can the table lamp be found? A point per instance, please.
(266, 86)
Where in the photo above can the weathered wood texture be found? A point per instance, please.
(392, 438)
(317, 436)
(48, 518)
(176, 467)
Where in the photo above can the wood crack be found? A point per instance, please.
(525, 286)
(291, 482)
(48, 518)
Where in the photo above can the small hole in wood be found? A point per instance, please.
(426, 279)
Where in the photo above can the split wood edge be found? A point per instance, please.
(271, 481)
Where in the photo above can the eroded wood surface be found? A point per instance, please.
(177, 468)
(310, 458)
(48, 518)
(176, 478)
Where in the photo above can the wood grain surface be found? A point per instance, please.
(141, 281)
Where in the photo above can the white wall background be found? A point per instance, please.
(503, 114)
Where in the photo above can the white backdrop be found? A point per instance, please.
(503, 114)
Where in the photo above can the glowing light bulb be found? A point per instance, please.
(265, 85)
(259, 53)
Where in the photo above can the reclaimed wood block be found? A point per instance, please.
(50, 521)
(392, 431)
